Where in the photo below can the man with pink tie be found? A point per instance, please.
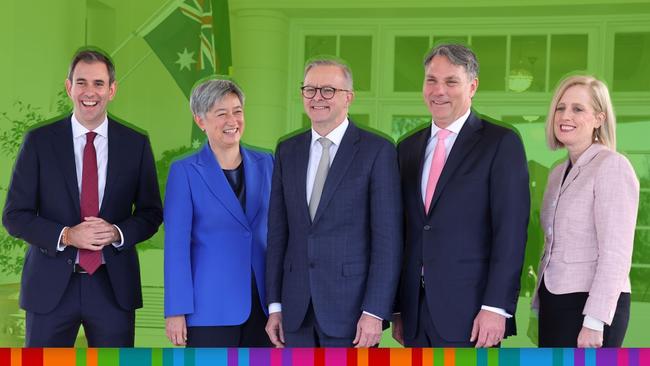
(466, 205)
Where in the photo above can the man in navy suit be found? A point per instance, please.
(335, 224)
(466, 204)
(83, 193)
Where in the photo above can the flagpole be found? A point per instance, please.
(146, 23)
(135, 66)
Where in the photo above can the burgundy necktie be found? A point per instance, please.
(89, 260)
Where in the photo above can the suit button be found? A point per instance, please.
(43, 250)
(427, 227)
(69, 261)
(312, 264)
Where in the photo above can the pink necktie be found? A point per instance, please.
(437, 163)
(88, 259)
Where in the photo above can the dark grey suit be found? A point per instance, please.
(348, 260)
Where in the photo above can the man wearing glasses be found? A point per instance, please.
(335, 225)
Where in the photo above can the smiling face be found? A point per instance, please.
(224, 122)
(447, 90)
(575, 119)
(326, 114)
(90, 92)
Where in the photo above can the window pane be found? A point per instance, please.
(527, 63)
(319, 45)
(450, 39)
(403, 124)
(408, 71)
(641, 165)
(491, 53)
(568, 54)
(640, 273)
(361, 119)
(632, 62)
(357, 51)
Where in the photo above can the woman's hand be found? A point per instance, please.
(176, 329)
(589, 338)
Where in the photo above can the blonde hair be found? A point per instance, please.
(600, 102)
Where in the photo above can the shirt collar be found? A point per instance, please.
(454, 127)
(79, 130)
(336, 135)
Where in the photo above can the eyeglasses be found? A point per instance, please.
(327, 92)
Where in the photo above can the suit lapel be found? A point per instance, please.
(115, 151)
(297, 165)
(63, 147)
(213, 177)
(414, 174)
(344, 156)
(254, 179)
(584, 159)
(468, 137)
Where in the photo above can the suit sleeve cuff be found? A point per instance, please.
(372, 315)
(593, 323)
(275, 307)
(121, 242)
(496, 310)
(60, 246)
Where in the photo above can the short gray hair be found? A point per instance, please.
(457, 54)
(208, 92)
(331, 61)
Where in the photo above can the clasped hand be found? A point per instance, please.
(92, 234)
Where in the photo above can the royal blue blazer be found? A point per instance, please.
(211, 243)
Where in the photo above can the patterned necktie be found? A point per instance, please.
(321, 175)
(437, 163)
(89, 260)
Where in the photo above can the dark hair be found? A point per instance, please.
(89, 56)
(457, 54)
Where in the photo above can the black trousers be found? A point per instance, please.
(89, 301)
(249, 334)
(426, 334)
(311, 335)
(560, 319)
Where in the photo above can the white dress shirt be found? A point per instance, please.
(316, 151)
(101, 149)
(454, 128)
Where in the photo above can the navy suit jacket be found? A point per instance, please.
(211, 243)
(43, 198)
(471, 244)
(347, 260)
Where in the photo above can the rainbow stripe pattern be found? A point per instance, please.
(323, 357)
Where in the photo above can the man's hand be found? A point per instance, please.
(88, 235)
(589, 338)
(368, 331)
(176, 329)
(108, 234)
(398, 328)
(274, 329)
(488, 329)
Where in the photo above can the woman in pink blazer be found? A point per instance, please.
(588, 217)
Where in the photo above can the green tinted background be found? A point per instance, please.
(523, 49)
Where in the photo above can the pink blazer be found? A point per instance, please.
(589, 224)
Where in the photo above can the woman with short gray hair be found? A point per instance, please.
(216, 211)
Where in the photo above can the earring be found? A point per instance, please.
(596, 134)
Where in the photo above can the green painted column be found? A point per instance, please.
(260, 43)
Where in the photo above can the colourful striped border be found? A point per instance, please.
(323, 357)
